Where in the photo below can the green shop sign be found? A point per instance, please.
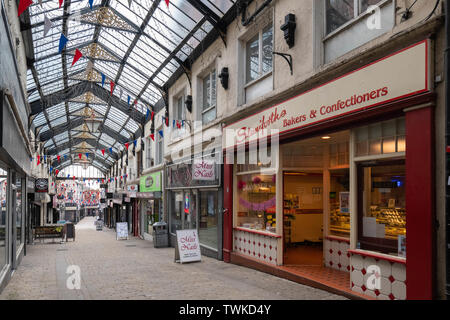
(151, 182)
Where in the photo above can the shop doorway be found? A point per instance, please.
(303, 218)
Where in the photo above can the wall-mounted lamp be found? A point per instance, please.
(189, 103)
(289, 29)
(224, 76)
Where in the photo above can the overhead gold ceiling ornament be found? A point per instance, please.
(105, 16)
(97, 51)
(88, 97)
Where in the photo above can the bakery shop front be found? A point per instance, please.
(349, 181)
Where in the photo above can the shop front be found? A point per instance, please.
(195, 202)
(349, 177)
(151, 202)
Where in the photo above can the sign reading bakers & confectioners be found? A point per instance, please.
(400, 75)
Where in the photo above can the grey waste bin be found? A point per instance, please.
(160, 235)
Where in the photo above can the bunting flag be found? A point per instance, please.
(47, 25)
(167, 3)
(62, 42)
(103, 151)
(59, 158)
(161, 133)
(61, 2)
(148, 113)
(135, 143)
(73, 177)
(79, 156)
(129, 3)
(90, 3)
(87, 155)
(77, 56)
(23, 5)
(111, 85)
(153, 115)
(56, 171)
(173, 123)
(152, 136)
(126, 145)
(103, 79)
(65, 156)
(45, 158)
(38, 159)
(129, 98)
(110, 150)
(178, 125)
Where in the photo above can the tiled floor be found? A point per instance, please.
(332, 278)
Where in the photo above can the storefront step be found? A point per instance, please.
(296, 274)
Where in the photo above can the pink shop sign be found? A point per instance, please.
(203, 170)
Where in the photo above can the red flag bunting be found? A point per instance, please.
(126, 145)
(39, 159)
(153, 114)
(167, 3)
(178, 125)
(77, 56)
(60, 3)
(79, 155)
(112, 87)
(103, 151)
(152, 136)
(23, 5)
(59, 158)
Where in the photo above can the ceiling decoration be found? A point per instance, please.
(129, 49)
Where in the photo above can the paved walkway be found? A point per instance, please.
(134, 269)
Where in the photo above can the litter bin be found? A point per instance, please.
(69, 230)
(160, 235)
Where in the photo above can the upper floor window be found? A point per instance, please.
(339, 12)
(148, 154)
(159, 150)
(209, 97)
(259, 54)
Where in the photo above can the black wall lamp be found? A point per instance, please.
(289, 29)
(224, 76)
(189, 103)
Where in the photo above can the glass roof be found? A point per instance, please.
(137, 46)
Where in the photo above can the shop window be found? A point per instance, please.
(381, 138)
(339, 202)
(257, 202)
(208, 219)
(209, 97)
(381, 207)
(176, 212)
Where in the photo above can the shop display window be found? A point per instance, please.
(257, 201)
(381, 207)
(176, 212)
(339, 203)
(208, 218)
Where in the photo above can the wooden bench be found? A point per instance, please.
(49, 232)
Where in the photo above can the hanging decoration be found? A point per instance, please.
(59, 158)
(77, 56)
(87, 155)
(152, 136)
(129, 3)
(147, 114)
(111, 85)
(167, 3)
(23, 5)
(38, 159)
(103, 79)
(62, 42)
(126, 145)
(47, 25)
(111, 150)
(103, 151)
(161, 133)
(91, 3)
(60, 3)
(263, 206)
(79, 156)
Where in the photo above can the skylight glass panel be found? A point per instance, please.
(59, 121)
(134, 13)
(34, 96)
(99, 108)
(132, 126)
(125, 133)
(56, 111)
(75, 106)
(50, 8)
(30, 80)
(109, 69)
(117, 41)
(39, 120)
(61, 136)
(107, 139)
(112, 125)
(118, 115)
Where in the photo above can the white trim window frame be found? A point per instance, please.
(262, 63)
(159, 149)
(358, 10)
(209, 97)
(148, 153)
